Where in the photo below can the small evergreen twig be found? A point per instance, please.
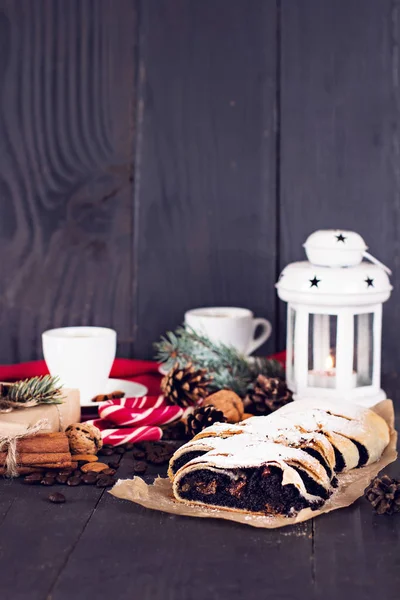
(228, 369)
(30, 392)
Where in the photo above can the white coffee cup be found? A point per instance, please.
(229, 326)
(81, 357)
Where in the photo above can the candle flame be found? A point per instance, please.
(329, 363)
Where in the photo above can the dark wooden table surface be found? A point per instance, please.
(95, 546)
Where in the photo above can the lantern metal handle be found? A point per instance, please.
(377, 262)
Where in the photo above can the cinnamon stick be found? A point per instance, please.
(43, 443)
(35, 459)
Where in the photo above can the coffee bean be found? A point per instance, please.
(33, 479)
(175, 431)
(48, 481)
(139, 467)
(62, 478)
(120, 450)
(113, 464)
(109, 472)
(128, 446)
(138, 453)
(74, 481)
(89, 478)
(158, 453)
(108, 446)
(50, 474)
(105, 481)
(106, 451)
(66, 471)
(57, 498)
(76, 473)
(157, 459)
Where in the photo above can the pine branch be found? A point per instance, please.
(31, 392)
(228, 369)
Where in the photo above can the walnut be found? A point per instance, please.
(230, 404)
(84, 438)
(206, 488)
(237, 487)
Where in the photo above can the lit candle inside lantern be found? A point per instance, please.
(329, 363)
(327, 378)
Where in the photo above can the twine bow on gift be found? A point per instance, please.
(9, 443)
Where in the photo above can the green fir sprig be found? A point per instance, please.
(31, 392)
(226, 367)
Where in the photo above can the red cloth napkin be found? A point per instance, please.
(142, 371)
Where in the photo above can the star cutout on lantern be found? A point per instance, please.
(341, 238)
(369, 282)
(314, 282)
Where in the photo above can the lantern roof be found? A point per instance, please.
(335, 248)
(335, 273)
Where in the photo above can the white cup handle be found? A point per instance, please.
(266, 332)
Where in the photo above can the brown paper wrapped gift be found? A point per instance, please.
(59, 416)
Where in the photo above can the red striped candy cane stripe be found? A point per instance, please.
(116, 437)
(123, 417)
(138, 403)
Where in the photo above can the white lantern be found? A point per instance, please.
(334, 319)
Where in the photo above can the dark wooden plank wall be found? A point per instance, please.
(67, 79)
(205, 193)
(340, 118)
(158, 155)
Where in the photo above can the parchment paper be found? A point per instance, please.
(158, 496)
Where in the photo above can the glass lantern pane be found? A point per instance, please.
(322, 334)
(363, 348)
(290, 349)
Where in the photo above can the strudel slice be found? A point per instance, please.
(280, 463)
(260, 477)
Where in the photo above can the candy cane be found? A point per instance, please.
(125, 417)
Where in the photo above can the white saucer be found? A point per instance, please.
(131, 389)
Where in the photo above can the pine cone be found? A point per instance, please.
(267, 395)
(185, 386)
(384, 495)
(203, 417)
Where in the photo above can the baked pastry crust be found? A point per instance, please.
(277, 464)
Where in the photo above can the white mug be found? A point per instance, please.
(81, 357)
(229, 326)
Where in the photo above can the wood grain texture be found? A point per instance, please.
(95, 546)
(340, 132)
(37, 537)
(354, 555)
(66, 138)
(353, 548)
(205, 180)
(141, 553)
